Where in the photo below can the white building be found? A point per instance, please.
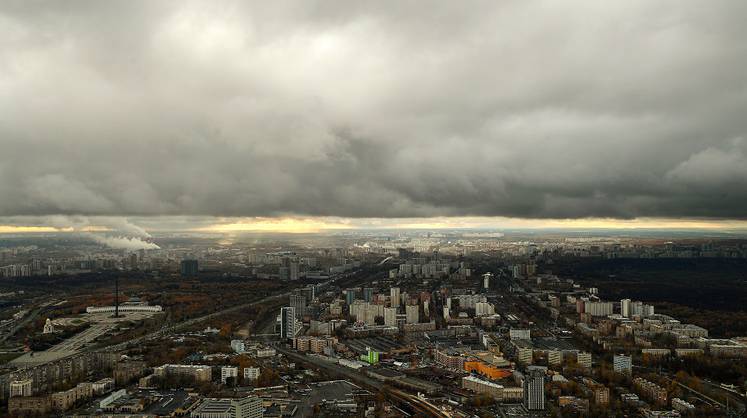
(486, 280)
(525, 355)
(638, 308)
(682, 406)
(469, 301)
(394, 297)
(48, 327)
(251, 373)
(124, 308)
(584, 359)
(20, 388)
(238, 346)
(390, 317)
(366, 312)
(520, 334)
(598, 308)
(625, 308)
(249, 407)
(484, 309)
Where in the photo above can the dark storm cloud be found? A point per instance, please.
(386, 109)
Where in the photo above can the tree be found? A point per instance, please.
(225, 330)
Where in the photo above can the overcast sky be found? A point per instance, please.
(526, 109)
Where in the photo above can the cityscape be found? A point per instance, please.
(395, 209)
(417, 323)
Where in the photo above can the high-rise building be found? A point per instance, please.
(598, 308)
(534, 389)
(251, 373)
(368, 294)
(294, 271)
(227, 372)
(350, 296)
(298, 302)
(366, 312)
(622, 364)
(625, 308)
(525, 355)
(469, 301)
(284, 273)
(583, 359)
(390, 317)
(484, 309)
(287, 322)
(412, 313)
(394, 297)
(555, 357)
(189, 267)
(580, 306)
(486, 280)
(638, 308)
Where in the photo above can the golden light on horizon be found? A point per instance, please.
(313, 224)
(25, 229)
(13, 229)
(289, 225)
(305, 225)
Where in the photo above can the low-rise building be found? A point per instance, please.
(127, 371)
(62, 401)
(249, 407)
(102, 386)
(481, 386)
(29, 405)
(682, 406)
(197, 373)
(449, 359)
(651, 391)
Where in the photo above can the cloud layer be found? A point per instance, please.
(388, 109)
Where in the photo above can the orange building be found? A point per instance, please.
(486, 369)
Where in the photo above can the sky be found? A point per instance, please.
(207, 115)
